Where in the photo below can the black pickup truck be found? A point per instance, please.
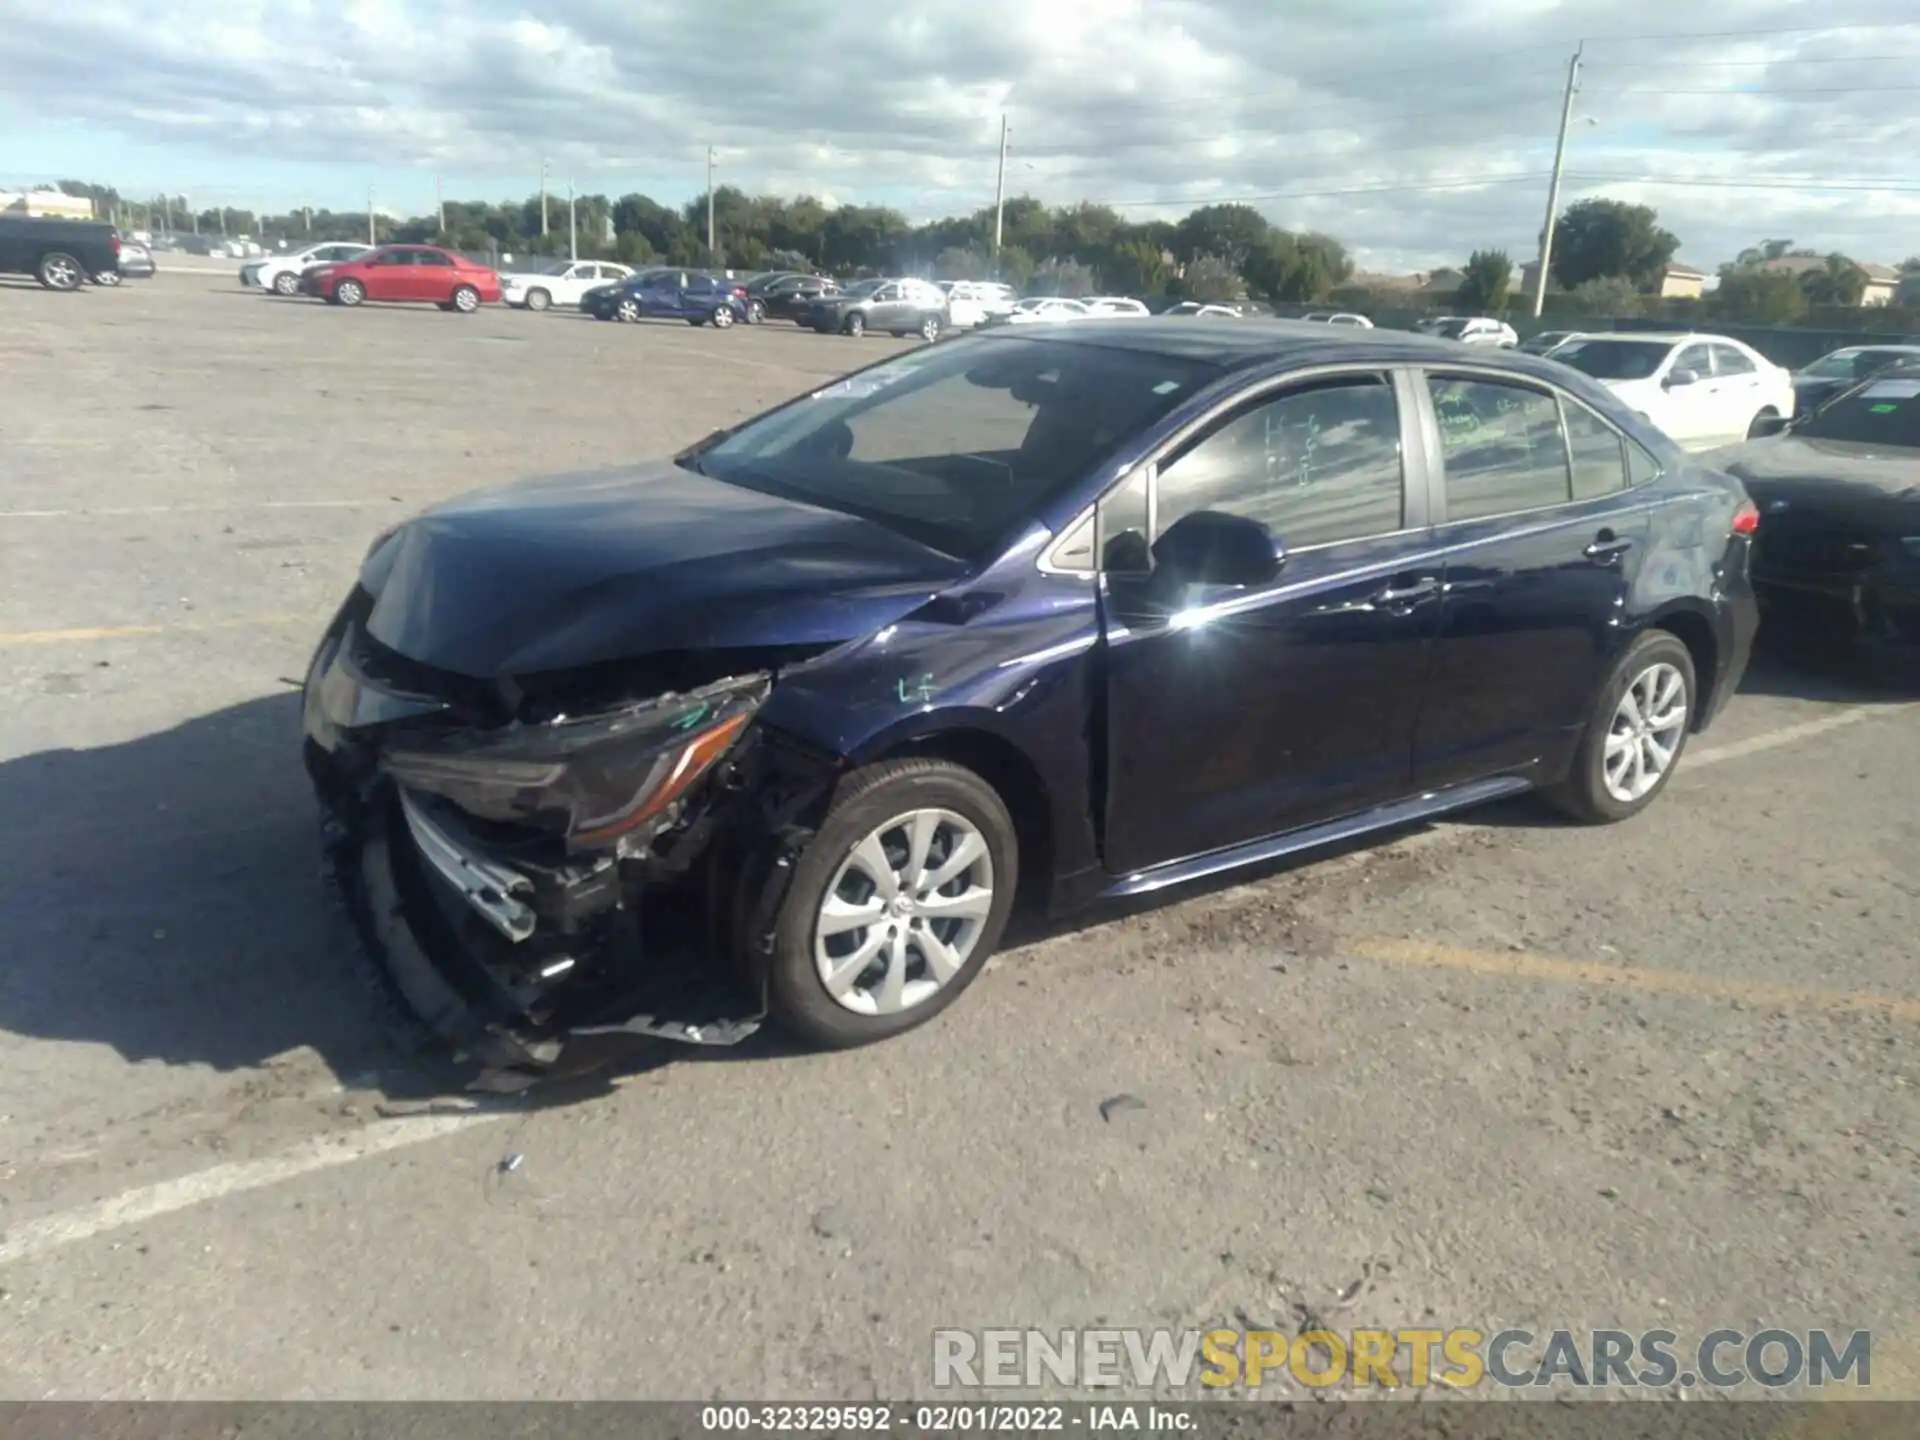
(61, 254)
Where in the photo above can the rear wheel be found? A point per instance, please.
(856, 325)
(930, 328)
(107, 277)
(1754, 430)
(349, 292)
(895, 905)
(58, 270)
(722, 316)
(1635, 735)
(756, 312)
(538, 300)
(286, 283)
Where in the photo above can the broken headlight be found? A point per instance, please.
(597, 779)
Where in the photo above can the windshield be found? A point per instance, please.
(1853, 364)
(1614, 359)
(957, 444)
(865, 287)
(1881, 412)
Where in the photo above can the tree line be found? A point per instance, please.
(1609, 256)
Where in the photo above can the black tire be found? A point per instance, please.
(864, 800)
(696, 320)
(107, 277)
(1584, 794)
(287, 283)
(538, 299)
(930, 328)
(1753, 428)
(855, 325)
(465, 299)
(723, 317)
(756, 312)
(58, 270)
(349, 293)
(627, 312)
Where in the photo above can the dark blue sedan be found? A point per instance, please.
(788, 725)
(669, 295)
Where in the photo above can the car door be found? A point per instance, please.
(889, 309)
(1686, 410)
(1234, 714)
(1739, 396)
(434, 276)
(1542, 539)
(660, 294)
(389, 275)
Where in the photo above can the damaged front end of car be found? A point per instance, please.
(530, 861)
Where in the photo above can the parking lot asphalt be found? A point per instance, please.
(1502, 1071)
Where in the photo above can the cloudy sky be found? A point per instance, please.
(1413, 131)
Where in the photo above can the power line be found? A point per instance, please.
(1860, 184)
(1752, 34)
(1245, 199)
(1773, 90)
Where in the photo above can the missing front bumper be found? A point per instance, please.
(489, 887)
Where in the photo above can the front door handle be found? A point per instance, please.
(1607, 547)
(1401, 597)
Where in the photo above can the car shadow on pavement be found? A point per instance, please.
(166, 896)
(1807, 666)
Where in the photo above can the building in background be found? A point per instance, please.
(53, 204)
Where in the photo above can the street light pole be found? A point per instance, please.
(371, 239)
(713, 250)
(999, 195)
(1553, 186)
(573, 229)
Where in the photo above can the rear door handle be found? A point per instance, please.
(1607, 547)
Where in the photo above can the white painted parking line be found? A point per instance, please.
(134, 1207)
(150, 1202)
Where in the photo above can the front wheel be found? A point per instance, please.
(627, 311)
(349, 292)
(538, 300)
(1635, 735)
(722, 317)
(1754, 428)
(756, 312)
(107, 277)
(930, 329)
(895, 905)
(286, 283)
(856, 325)
(465, 299)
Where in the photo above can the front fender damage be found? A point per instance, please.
(517, 949)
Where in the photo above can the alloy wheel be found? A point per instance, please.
(627, 310)
(904, 913)
(60, 273)
(723, 317)
(1645, 733)
(466, 300)
(285, 283)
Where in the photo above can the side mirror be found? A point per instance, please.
(1208, 547)
(1771, 425)
(1680, 377)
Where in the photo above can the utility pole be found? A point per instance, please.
(543, 194)
(308, 212)
(371, 238)
(440, 205)
(188, 202)
(713, 251)
(999, 195)
(573, 228)
(1553, 186)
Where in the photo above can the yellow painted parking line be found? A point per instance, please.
(10, 638)
(1524, 965)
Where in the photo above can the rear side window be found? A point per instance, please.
(1729, 361)
(1598, 452)
(1502, 446)
(431, 257)
(1316, 465)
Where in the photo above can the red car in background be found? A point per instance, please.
(405, 272)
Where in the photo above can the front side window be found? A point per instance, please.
(1614, 359)
(956, 444)
(431, 257)
(1502, 447)
(1696, 358)
(1316, 464)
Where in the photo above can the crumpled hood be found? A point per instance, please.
(557, 573)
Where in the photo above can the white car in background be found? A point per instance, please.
(1470, 330)
(1196, 307)
(1703, 390)
(1046, 309)
(1339, 317)
(281, 273)
(561, 283)
(976, 302)
(1114, 305)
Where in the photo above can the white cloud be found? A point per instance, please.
(1348, 118)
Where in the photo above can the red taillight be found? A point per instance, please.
(116, 242)
(1746, 519)
(740, 290)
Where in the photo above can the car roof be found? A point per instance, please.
(1254, 342)
(1660, 337)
